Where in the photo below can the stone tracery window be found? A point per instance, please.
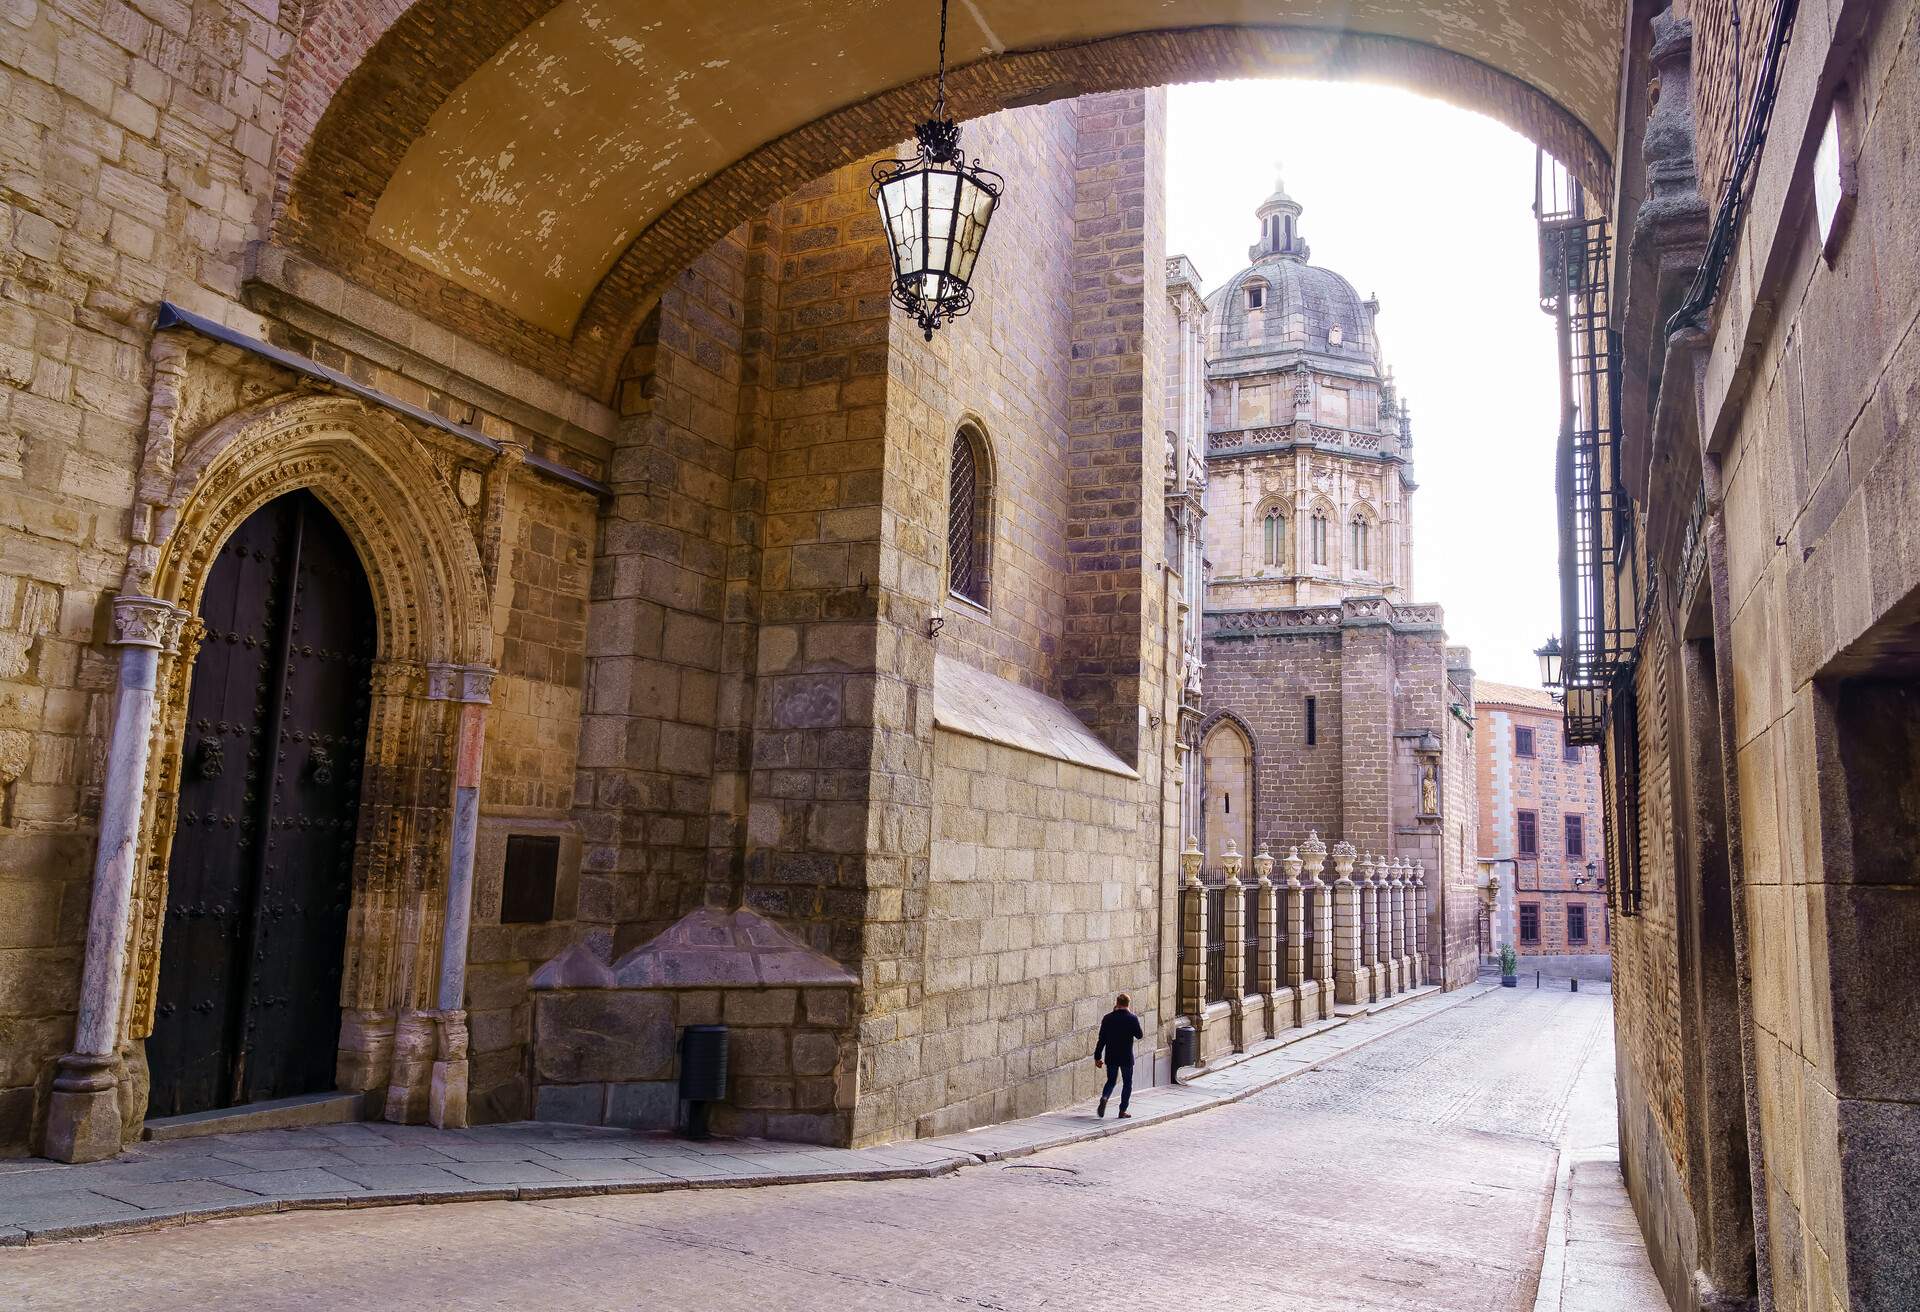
(969, 496)
(1274, 538)
(1359, 547)
(1317, 537)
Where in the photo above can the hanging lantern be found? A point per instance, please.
(936, 208)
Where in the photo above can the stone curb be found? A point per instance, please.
(164, 1218)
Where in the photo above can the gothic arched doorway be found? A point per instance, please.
(248, 1005)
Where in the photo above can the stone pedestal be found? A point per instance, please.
(1193, 935)
(1347, 984)
(1234, 958)
(1267, 929)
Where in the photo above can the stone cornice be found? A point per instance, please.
(1351, 613)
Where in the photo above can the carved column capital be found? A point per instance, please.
(140, 621)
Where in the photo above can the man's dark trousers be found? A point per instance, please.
(1122, 1071)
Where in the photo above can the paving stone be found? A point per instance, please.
(506, 1173)
(177, 1195)
(622, 1170)
(48, 1209)
(276, 1159)
(291, 1184)
(401, 1176)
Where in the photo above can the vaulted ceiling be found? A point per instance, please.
(533, 177)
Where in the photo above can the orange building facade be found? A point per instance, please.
(1540, 833)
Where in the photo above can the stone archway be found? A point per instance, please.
(390, 105)
(430, 602)
(406, 932)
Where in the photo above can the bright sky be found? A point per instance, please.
(1430, 208)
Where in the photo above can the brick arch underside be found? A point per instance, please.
(367, 75)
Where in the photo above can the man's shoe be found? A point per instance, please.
(1124, 1116)
(1103, 1109)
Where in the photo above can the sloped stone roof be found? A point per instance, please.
(1302, 302)
(703, 949)
(983, 705)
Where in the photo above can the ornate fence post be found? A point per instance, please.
(1234, 933)
(1322, 888)
(1266, 929)
(1193, 915)
(1297, 964)
(1346, 926)
(1402, 923)
(1420, 925)
(1367, 883)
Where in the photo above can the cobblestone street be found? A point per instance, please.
(1415, 1173)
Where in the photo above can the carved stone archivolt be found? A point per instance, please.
(403, 510)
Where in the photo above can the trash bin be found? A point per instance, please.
(703, 1073)
(1186, 1047)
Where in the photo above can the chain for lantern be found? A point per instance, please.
(936, 208)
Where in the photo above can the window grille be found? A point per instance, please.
(966, 554)
(1216, 895)
(1621, 794)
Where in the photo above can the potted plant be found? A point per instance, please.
(1509, 967)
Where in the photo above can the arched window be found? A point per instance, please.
(969, 493)
(1317, 537)
(1274, 538)
(1358, 548)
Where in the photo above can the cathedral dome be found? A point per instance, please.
(1281, 303)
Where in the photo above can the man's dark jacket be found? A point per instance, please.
(1118, 1029)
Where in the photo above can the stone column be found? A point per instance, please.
(1193, 916)
(1233, 928)
(1266, 926)
(1346, 927)
(1420, 923)
(1403, 923)
(1367, 885)
(1315, 852)
(1297, 964)
(447, 1089)
(83, 1114)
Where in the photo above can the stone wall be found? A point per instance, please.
(1772, 1159)
(1040, 909)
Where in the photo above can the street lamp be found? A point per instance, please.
(1549, 663)
(1550, 668)
(1581, 881)
(936, 208)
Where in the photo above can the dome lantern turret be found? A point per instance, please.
(1279, 216)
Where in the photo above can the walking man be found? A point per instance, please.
(1118, 1029)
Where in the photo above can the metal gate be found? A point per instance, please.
(261, 869)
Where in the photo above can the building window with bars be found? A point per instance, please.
(1274, 538)
(1529, 922)
(969, 496)
(1576, 923)
(1576, 835)
(1527, 829)
(1522, 740)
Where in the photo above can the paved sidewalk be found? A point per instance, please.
(1595, 1258)
(371, 1164)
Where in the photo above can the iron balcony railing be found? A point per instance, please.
(1599, 590)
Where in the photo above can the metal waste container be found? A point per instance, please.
(703, 1073)
(1186, 1047)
